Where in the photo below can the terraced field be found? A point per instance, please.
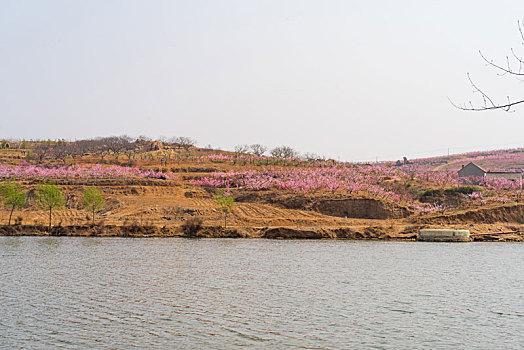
(167, 202)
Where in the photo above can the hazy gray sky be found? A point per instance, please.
(350, 79)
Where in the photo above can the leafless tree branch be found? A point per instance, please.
(506, 69)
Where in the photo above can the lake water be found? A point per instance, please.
(124, 293)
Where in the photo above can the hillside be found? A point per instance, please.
(154, 188)
(509, 159)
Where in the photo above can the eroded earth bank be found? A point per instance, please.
(167, 208)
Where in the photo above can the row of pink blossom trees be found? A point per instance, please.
(95, 171)
(382, 180)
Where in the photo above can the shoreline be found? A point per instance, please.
(145, 231)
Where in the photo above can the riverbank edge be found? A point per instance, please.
(144, 231)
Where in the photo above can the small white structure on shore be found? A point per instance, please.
(430, 235)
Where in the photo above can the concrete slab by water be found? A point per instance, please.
(431, 235)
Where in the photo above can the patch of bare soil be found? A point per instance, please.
(332, 205)
(363, 208)
(505, 214)
(159, 208)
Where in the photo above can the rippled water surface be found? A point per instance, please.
(175, 293)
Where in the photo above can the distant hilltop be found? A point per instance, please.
(506, 160)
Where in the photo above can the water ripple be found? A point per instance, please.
(114, 293)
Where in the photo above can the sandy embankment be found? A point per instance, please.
(354, 233)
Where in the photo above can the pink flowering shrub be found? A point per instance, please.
(96, 171)
(303, 180)
(218, 158)
(475, 195)
(383, 180)
(428, 208)
(493, 158)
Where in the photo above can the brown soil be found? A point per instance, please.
(159, 208)
(330, 204)
(506, 214)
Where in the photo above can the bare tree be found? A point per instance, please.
(127, 138)
(117, 144)
(283, 152)
(313, 156)
(85, 147)
(185, 142)
(258, 149)
(42, 150)
(513, 66)
(241, 148)
(61, 150)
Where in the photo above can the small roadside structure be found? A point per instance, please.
(471, 169)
